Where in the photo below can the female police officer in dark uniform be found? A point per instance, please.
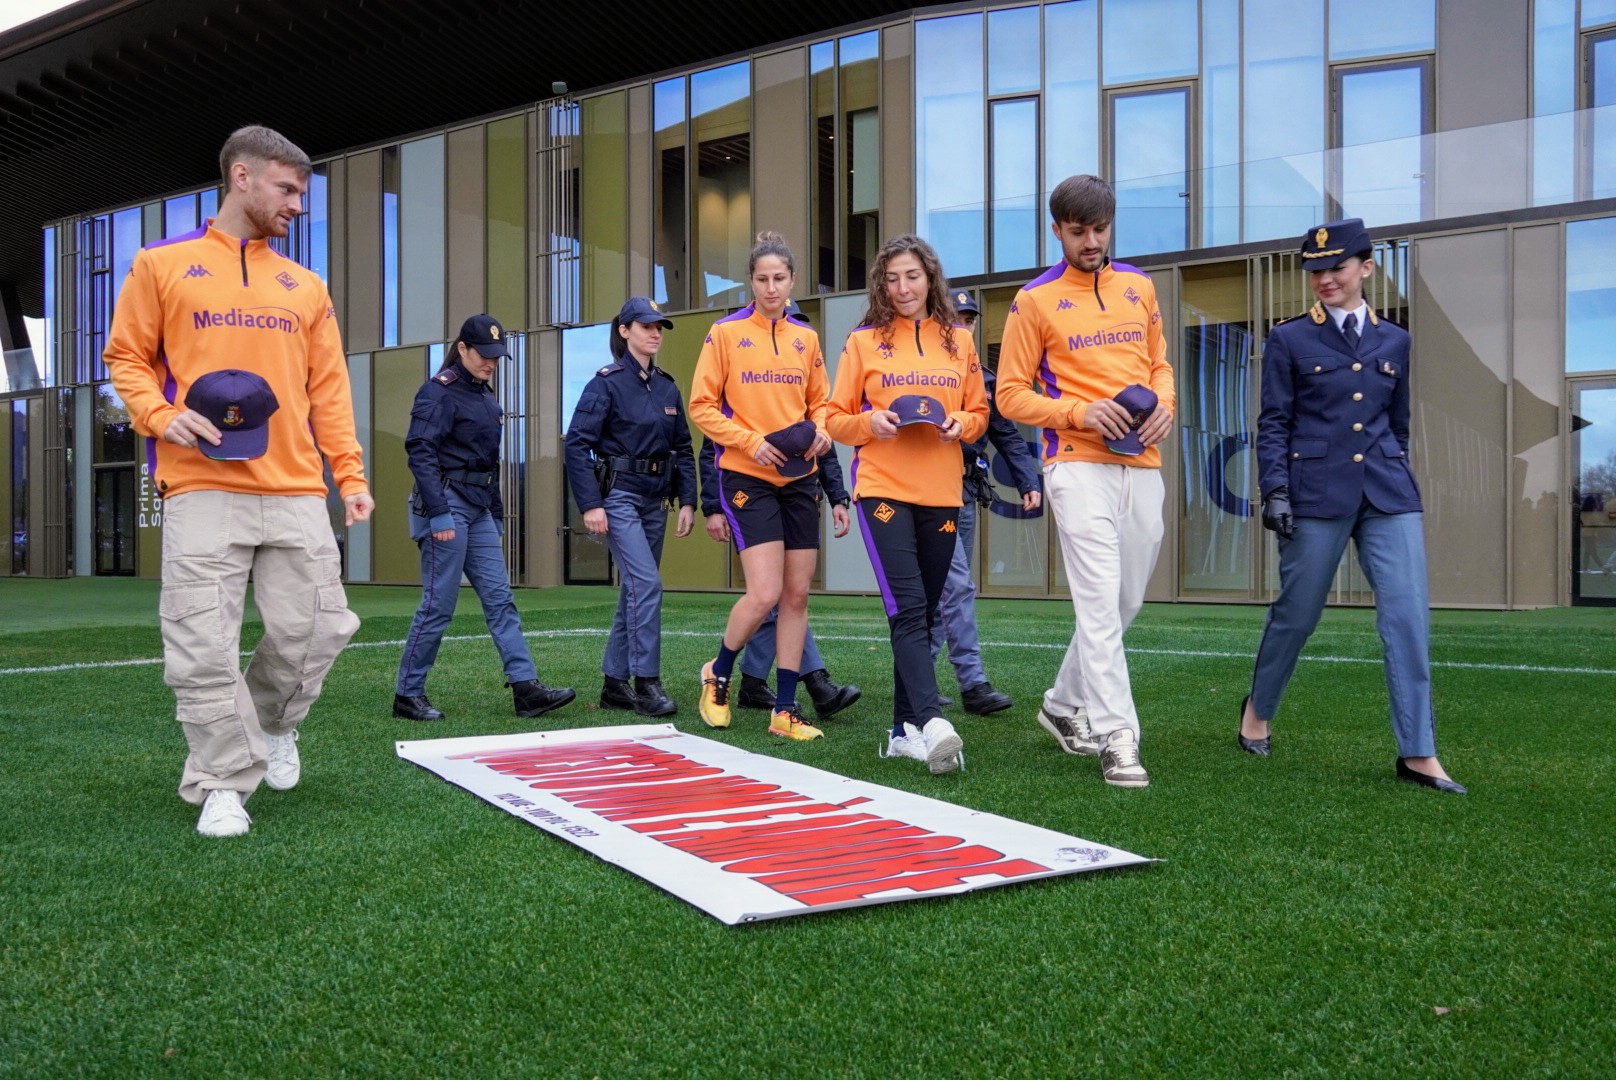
(1332, 456)
(628, 449)
(457, 520)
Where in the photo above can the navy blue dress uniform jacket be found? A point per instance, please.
(1334, 420)
(455, 425)
(620, 414)
(1007, 438)
(829, 473)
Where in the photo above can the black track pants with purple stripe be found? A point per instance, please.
(910, 548)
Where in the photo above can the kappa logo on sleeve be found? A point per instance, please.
(884, 513)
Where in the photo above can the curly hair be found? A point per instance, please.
(939, 302)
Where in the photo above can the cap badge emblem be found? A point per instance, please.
(232, 416)
(493, 331)
(1321, 237)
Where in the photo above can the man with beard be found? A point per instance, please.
(228, 357)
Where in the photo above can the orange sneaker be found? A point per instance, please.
(789, 724)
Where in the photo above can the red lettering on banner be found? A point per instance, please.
(830, 833)
(690, 806)
(683, 770)
(918, 883)
(792, 882)
(675, 826)
(622, 798)
(852, 855)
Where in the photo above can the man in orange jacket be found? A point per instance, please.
(1089, 332)
(228, 357)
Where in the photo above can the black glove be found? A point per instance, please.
(1276, 513)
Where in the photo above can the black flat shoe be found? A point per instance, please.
(1250, 746)
(755, 693)
(983, 700)
(532, 698)
(828, 696)
(414, 708)
(617, 694)
(650, 699)
(1436, 783)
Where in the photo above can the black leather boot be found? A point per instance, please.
(617, 694)
(533, 698)
(828, 698)
(414, 708)
(755, 693)
(650, 698)
(983, 700)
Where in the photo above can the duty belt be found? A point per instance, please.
(646, 466)
(477, 479)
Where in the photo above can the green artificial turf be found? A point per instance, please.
(1311, 915)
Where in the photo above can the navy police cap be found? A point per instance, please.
(794, 442)
(965, 302)
(642, 309)
(238, 403)
(483, 333)
(1327, 246)
(1140, 401)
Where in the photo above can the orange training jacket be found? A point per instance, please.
(916, 467)
(206, 301)
(754, 377)
(1081, 337)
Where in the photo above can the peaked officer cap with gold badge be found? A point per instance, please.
(1333, 243)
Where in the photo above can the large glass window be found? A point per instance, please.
(721, 132)
(1554, 97)
(1284, 98)
(1071, 100)
(422, 243)
(1599, 141)
(391, 183)
(1013, 51)
(949, 185)
(1150, 166)
(1220, 122)
(1015, 220)
(584, 351)
(19, 484)
(860, 73)
(1383, 113)
(1593, 455)
(1151, 39)
(1362, 28)
(1218, 537)
(1598, 12)
(671, 278)
(1590, 261)
(822, 172)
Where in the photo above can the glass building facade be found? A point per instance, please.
(1471, 135)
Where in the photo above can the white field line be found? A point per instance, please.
(873, 639)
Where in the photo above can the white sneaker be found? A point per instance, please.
(911, 744)
(945, 752)
(223, 814)
(284, 769)
(1072, 732)
(1119, 761)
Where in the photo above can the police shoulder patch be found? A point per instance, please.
(447, 376)
(608, 369)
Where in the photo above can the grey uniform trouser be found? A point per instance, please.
(212, 542)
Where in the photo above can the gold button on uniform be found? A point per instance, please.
(1357, 367)
(1357, 457)
(1357, 427)
(1357, 397)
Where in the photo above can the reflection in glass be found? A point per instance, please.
(1554, 58)
(861, 143)
(126, 240)
(721, 122)
(390, 192)
(1151, 39)
(948, 120)
(1015, 164)
(112, 432)
(1598, 12)
(1150, 155)
(19, 485)
(1013, 51)
(1218, 531)
(1220, 122)
(822, 174)
(1285, 113)
(1017, 553)
(584, 351)
(1382, 27)
(1593, 448)
(1590, 268)
(1382, 156)
(670, 284)
(1602, 118)
(1071, 100)
(113, 492)
(422, 255)
(179, 215)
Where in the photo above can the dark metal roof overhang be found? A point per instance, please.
(108, 102)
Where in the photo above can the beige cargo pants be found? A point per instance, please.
(212, 542)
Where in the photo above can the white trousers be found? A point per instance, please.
(1109, 519)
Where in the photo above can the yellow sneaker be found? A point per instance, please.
(714, 707)
(789, 724)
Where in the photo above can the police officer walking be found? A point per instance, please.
(1332, 458)
(627, 451)
(457, 519)
(956, 621)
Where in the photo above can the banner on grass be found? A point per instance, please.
(743, 836)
